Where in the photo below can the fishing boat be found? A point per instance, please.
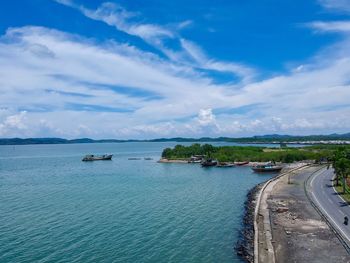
(209, 162)
(241, 163)
(196, 159)
(91, 157)
(225, 165)
(269, 167)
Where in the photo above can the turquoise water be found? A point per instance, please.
(56, 208)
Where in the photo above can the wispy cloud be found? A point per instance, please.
(202, 61)
(184, 24)
(123, 20)
(336, 5)
(80, 80)
(58, 84)
(330, 26)
(115, 15)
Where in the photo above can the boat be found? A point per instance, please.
(209, 162)
(241, 163)
(224, 164)
(196, 159)
(148, 158)
(134, 158)
(269, 167)
(91, 157)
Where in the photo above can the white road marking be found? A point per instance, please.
(338, 195)
(331, 218)
(321, 207)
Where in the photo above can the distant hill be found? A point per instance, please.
(271, 138)
(288, 138)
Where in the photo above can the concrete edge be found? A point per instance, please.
(257, 206)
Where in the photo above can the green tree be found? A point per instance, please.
(166, 153)
(341, 165)
(343, 169)
(208, 149)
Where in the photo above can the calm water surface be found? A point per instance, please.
(56, 208)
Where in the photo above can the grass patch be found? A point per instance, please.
(339, 189)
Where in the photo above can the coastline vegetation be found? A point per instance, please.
(252, 153)
(341, 165)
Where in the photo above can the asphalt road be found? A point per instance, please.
(329, 202)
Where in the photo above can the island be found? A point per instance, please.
(314, 153)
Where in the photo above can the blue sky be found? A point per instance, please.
(147, 69)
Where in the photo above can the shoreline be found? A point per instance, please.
(286, 166)
(250, 164)
(244, 247)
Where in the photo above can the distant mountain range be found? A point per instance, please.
(255, 139)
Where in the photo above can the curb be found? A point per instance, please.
(257, 206)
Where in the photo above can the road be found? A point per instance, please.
(329, 202)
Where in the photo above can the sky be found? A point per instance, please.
(136, 69)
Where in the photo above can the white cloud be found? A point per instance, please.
(13, 124)
(185, 24)
(58, 91)
(331, 26)
(115, 15)
(337, 5)
(206, 117)
(202, 61)
(71, 86)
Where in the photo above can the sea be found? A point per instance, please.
(56, 208)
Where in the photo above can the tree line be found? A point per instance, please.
(341, 165)
(249, 153)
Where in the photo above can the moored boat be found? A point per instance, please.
(225, 165)
(196, 159)
(209, 162)
(267, 168)
(91, 157)
(241, 163)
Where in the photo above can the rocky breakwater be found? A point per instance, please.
(245, 244)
